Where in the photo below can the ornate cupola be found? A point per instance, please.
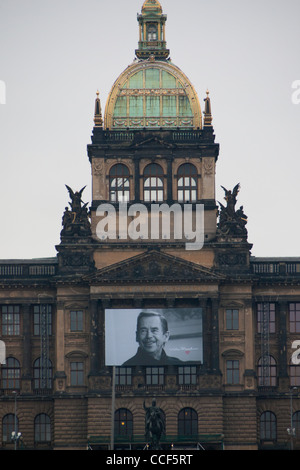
(152, 144)
(152, 41)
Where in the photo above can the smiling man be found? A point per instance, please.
(152, 334)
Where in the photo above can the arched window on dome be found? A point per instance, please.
(152, 33)
(119, 188)
(153, 183)
(187, 183)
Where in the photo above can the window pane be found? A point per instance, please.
(268, 426)
(187, 183)
(10, 319)
(77, 373)
(42, 428)
(294, 314)
(266, 317)
(232, 371)
(9, 424)
(187, 422)
(232, 319)
(76, 323)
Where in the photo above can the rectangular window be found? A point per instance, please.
(169, 106)
(266, 317)
(76, 320)
(233, 372)
(136, 106)
(155, 375)
(42, 319)
(294, 313)
(187, 375)
(123, 376)
(152, 106)
(77, 377)
(232, 319)
(295, 375)
(10, 319)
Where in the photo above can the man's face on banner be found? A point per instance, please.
(150, 336)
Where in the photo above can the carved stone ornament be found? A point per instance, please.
(98, 167)
(232, 222)
(232, 259)
(76, 221)
(208, 166)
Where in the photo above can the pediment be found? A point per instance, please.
(153, 141)
(155, 267)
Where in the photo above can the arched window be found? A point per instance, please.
(187, 183)
(42, 428)
(267, 372)
(187, 422)
(268, 426)
(153, 183)
(11, 373)
(119, 189)
(10, 423)
(123, 422)
(152, 33)
(42, 374)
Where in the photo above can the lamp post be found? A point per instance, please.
(291, 430)
(15, 436)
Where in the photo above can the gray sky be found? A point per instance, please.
(54, 56)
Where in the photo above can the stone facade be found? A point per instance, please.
(56, 387)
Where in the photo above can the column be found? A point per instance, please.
(137, 195)
(283, 360)
(27, 370)
(60, 376)
(169, 180)
(215, 335)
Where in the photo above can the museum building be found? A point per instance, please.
(67, 324)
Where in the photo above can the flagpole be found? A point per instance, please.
(113, 397)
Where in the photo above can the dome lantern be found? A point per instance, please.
(152, 40)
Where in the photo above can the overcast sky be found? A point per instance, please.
(55, 54)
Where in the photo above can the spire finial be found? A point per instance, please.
(98, 114)
(207, 111)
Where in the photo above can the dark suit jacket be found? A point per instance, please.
(141, 358)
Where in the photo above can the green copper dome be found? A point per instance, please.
(152, 95)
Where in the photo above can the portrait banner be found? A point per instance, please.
(156, 337)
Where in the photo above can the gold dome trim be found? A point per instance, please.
(118, 89)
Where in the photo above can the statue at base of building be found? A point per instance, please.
(154, 425)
